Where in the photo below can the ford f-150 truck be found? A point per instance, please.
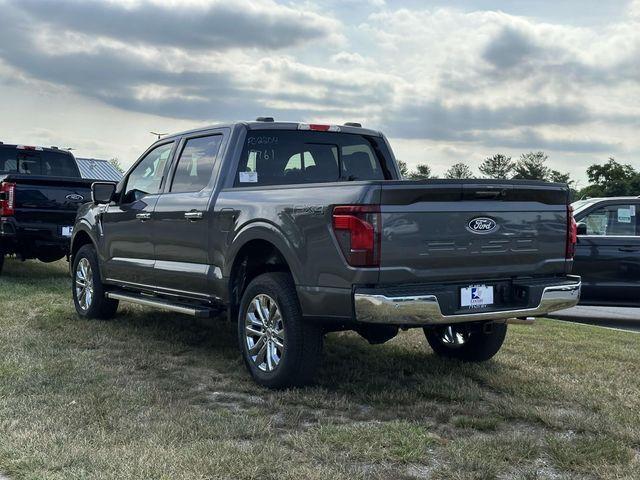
(300, 229)
(40, 192)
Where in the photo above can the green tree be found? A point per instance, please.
(115, 163)
(611, 179)
(556, 176)
(422, 172)
(459, 170)
(532, 166)
(499, 166)
(404, 169)
(560, 177)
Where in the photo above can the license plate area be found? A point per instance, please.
(476, 296)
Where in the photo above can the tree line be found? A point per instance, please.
(605, 180)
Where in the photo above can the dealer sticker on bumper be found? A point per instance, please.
(67, 231)
(476, 296)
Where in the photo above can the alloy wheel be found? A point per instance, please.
(264, 333)
(454, 337)
(84, 284)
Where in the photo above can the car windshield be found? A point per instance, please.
(582, 204)
(37, 162)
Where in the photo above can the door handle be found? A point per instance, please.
(143, 216)
(629, 249)
(193, 215)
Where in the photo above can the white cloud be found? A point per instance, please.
(350, 59)
(454, 82)
(470, 64)
(634, 9)
(212, 25)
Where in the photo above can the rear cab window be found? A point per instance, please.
(37, 162)
(290, 157)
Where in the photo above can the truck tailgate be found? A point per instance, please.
(471, 230)
(47, 199)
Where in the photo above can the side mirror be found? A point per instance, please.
(102, 192)
(582, 228)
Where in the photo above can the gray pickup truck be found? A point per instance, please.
(299, 229)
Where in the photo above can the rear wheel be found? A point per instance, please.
(87, 288)
(470, 343)
(279, 348)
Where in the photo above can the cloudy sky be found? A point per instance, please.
(448, 81)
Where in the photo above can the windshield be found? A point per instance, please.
(37, 162)
(582, 204)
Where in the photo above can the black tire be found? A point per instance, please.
(1, 261)
(99, 306)
(481, 342)
(302, 341)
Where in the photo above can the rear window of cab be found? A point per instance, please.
(283, 157)
(39, 162)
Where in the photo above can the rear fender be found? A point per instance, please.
(270, 233)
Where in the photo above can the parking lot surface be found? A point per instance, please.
(612, 317)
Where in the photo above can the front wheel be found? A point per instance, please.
(469, 343)
(279, 348)
(87, 288)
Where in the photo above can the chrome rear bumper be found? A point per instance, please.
(425, 310)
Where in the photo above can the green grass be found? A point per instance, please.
(158, 395)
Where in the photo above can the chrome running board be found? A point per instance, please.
(147, 301)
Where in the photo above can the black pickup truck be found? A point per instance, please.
(608, 250)
(40, 192)
(300, 229)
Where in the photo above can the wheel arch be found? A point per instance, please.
(80, 239)
(256, 251)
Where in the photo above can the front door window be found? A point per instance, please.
(146, 177)
(612, 220)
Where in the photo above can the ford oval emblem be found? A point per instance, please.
(482, 225)
(74, 197)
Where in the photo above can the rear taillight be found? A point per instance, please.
(7, 198)
(357, 229)
(572, 234)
